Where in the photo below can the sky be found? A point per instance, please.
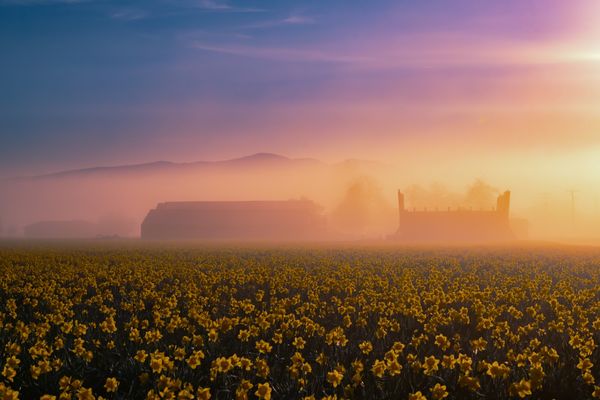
(503, 90)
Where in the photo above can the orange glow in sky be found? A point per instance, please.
(507, 92)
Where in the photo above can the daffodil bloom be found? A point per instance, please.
(334, 378)
(438, 392)
(378, 368)
(417, 396)
(521, 388)
(111, 385)
(263, 391)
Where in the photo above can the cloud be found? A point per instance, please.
(213, 5)
(298, 20)
(221, 6)
(280, 54)
(431, 50)
(201, 35)
(129, 14)
(293, 19)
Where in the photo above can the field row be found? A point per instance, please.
(218, 323)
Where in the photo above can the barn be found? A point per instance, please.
(235, 220)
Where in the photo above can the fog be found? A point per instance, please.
(358, 197)
(477, 195)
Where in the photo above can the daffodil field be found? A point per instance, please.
(183, 322)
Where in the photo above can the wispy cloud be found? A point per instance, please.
(407, 51)
(291, 20)
(203, 36)
(298, 20)
(129, 14)
(222, 6)
(280, 54)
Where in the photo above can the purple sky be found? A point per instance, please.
(88, 82)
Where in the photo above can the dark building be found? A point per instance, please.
(61, 230)
(459, 225)
(235, 220)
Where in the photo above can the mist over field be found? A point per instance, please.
(358, 197)
(343, 104)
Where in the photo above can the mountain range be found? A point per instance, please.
(254, 161)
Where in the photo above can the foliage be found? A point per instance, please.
(180, 323)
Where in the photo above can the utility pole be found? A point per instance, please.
(572, 192)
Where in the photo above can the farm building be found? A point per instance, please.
(235, 220)
(458, 225)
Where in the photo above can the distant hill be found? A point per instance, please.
(127, 192)
(258, 160)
